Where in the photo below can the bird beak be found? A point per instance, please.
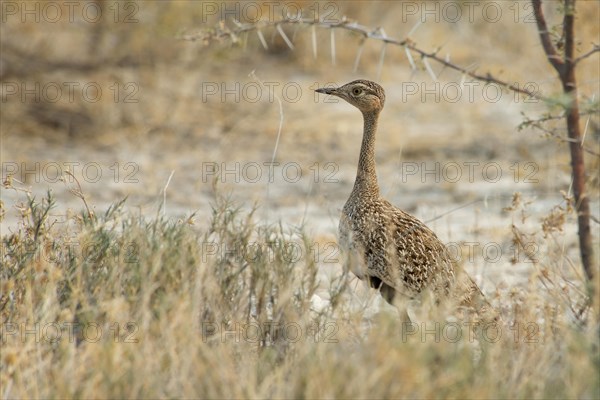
(331, 91)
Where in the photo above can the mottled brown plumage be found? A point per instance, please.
(390, 248)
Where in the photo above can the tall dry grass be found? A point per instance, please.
(119, 305)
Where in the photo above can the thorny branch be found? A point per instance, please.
(222, 32)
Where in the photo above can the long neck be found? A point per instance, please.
(366, 176)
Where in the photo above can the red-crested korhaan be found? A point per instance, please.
(391, 249)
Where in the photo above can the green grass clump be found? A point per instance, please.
(120, 306)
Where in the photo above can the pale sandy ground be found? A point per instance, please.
(174, 128)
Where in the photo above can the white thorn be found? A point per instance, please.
(314, 41)
(414, 28)
(429, 70)
(381, 58)
(284, 36)
(262, 39)
(332, 47)
(410, 59)
(358, 55)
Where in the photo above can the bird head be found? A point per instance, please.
(365, 95)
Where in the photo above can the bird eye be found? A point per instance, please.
(356, 91)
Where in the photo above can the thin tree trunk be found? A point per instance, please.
(565, 66)
(582, 203)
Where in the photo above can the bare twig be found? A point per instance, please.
(8, 184)
(595, 49)
(279, 129)
(78, 192)
(552, 133)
